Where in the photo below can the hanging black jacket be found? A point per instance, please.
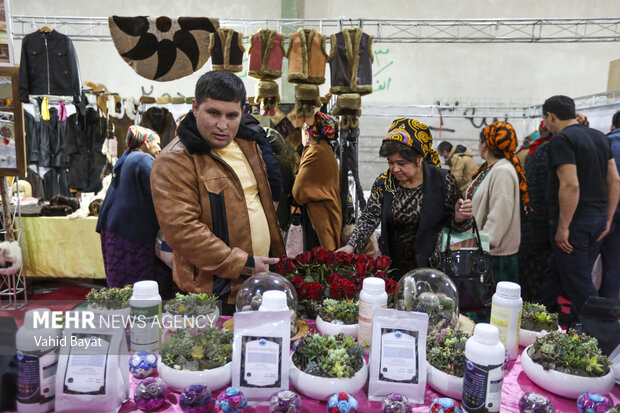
(85, 136)
(48, 66)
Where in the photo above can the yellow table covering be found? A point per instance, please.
(61, 247)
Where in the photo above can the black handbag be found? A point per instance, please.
(471, 271)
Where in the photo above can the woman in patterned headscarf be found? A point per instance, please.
(498, 192)
(412, 200)
(127, 221)
(317, 188)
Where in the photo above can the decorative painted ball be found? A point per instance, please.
(285, 401)
(589, 402)
(142, 364)
(445, 405)
(195, 399)
(231, 400)
(342, 403)
(532, 402)
(395, 403)
(150, 394)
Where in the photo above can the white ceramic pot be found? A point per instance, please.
(332, 329)
(566, 385)
(178, 380)
(444, 383)
(527, 337)
(320, 388)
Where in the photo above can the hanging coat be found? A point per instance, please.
(350, 62)
(226, 47)
(306, 57)
(266, 54)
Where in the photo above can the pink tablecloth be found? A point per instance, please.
(516, 383)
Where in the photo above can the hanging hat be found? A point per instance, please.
(415, 135)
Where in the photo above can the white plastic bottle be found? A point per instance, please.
(145, 316)
(372, 296)
(506, 316)
(37, 360)
(484, 370)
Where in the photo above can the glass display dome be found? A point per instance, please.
(432, 292)
(250, 295)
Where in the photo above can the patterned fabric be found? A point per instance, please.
(126, 262)
(502, 136)
(324, 127)
(403, 218)
(476, 183)
(582, 120)
(415, 135)
(137, 135)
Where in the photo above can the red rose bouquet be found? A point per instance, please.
(321, 273)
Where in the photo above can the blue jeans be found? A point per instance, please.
(572, 273)
(610, 254)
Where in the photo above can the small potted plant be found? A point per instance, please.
(196, 356)
(110, 303)
(445, 356)
(535, 322)
(338, 316)
(190, 310)
(324, 364)
(567, 364)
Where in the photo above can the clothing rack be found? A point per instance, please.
(14, 285)
(531, 30)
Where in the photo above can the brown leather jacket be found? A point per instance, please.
(202, 211)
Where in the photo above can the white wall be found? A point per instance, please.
(471, 74)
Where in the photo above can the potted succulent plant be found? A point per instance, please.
(109, 298)
(111, 304)
(445, 356)
(196, 356)
(321, 364)
(567, 364)
(190, 310)
(338, 316)
(535, 322)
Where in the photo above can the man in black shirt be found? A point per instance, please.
(582, 194)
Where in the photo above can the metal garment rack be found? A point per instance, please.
(13, 285)
(538, 30)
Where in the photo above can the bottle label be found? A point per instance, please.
(508, 322)
(364, 329)
(36, 377)
(145, 327)
(482, 387)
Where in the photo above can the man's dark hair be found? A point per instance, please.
(220, 85)
(391, 147)
(444, 146)
(561, 106)
(615, 120)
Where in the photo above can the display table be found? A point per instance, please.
(515, 384)
(61, 247)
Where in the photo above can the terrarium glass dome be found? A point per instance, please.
(429, 291)
(250, 295)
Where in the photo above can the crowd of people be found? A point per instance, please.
(549, 207)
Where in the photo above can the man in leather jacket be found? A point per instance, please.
(212, 196)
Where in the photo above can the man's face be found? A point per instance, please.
(550, 122)
(445, 154)
(217, 121)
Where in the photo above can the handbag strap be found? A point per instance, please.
(476, 231)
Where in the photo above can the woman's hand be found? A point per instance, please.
(462, 210)
(347, 248)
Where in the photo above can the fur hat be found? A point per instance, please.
(307, 103)
(267, 96)
(348, 104)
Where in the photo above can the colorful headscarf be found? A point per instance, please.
(582, 120)
(415, 135)
(323, 127)
(501, 136)
(137, 135)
